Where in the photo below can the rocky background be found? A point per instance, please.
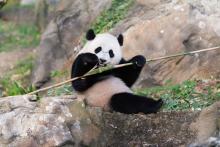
(64, 121)
(151, 28)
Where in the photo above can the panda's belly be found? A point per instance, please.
(100, 93)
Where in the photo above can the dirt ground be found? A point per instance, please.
(9, 59)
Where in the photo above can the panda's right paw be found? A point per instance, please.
(138, 60)
(89, 59)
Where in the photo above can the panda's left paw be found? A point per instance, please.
(89, 59)
(138, 60)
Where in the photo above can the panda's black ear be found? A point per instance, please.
(120, 39)
(90, 35)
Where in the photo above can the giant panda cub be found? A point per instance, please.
(110, 89)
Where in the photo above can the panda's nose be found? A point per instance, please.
(102, 61)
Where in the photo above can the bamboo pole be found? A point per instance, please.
(123, 65)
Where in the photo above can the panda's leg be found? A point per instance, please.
(129, 103)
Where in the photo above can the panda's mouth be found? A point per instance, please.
(103, 62)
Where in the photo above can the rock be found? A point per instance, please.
(211, 142)
(63, 34)
(207, 125)
(181, 28)
(41, 14)
(22, 121)
(65, 121)
(48, 123)
(209, 7)
(28, 2)
(31, 2)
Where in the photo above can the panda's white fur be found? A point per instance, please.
(100, 93)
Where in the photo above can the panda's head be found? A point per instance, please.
(106, 46)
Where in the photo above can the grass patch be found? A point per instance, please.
(58, 73)
(10, 4)
(15, 5)
(112, 16)
(14, 36)
(190, 95)
(16, 82)
(57, 77)
(24, 66)
(65, 89)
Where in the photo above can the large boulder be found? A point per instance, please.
(65, 121)
(170, 28)
(63, 34)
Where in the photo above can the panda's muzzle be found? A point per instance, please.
(102, 61)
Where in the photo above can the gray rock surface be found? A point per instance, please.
(30, 2)
(65, 121)
(171, 27)
(63, 34)
(23, 121)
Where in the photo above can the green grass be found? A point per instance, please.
(65, 89)
(14, 5)
(59, 74)
(20, 85)
(110, 17)
(189, 95)
(185, 96)
(14, 36)
(24, 65)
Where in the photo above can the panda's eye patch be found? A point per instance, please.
(111, 53)
(98, 49)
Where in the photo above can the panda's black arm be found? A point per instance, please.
(83, 64)
(129, 74)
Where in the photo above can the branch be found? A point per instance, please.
(102, 69)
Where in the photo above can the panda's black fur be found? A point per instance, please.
(110, 89)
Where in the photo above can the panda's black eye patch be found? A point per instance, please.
(111, 53)
(98, 49)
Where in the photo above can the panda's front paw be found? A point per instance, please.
(138, 60)
(89, 59)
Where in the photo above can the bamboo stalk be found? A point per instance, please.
(184, 53)
(53, 86)
(123, 65)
